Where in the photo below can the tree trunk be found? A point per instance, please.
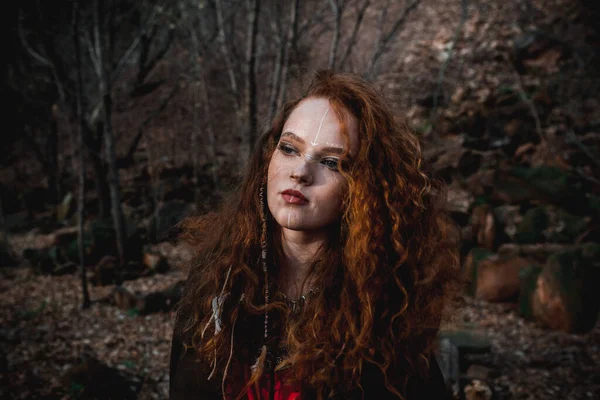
(109, 142)
(291, 43)
(94, 152)
(53, 173)
(81, 195)
(251, 101)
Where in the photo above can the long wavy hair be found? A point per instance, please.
(387, 272)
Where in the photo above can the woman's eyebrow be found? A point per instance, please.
(293, 137)
(329, 149)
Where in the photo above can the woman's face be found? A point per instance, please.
(305, 189)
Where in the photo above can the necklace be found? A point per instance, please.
(298, 303)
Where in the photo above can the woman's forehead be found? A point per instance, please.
(316, 122)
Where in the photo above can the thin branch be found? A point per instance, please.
(136, 41)
(337, 6)
(384, 40)
(530, 104)
(315, 17)
(352, 41)
(595, 158)
(463, 18)
(92, 53)
(225, 50)
(34, 54)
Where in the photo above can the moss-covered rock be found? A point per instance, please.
(528, 277)
(566, 296)
(565, 227)
(531, 229)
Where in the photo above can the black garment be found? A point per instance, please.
(188, 380)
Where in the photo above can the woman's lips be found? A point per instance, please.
(293, 199)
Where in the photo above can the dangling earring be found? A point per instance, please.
(259, 365)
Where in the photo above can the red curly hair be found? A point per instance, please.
(387, 272)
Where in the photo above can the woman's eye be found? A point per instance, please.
(331, 163)
(287, 149)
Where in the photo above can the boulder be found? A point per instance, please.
(487, 227)
(105, 272)
(160, 301)
(8, 258)
(564, 227)
(566, 297)
(528, 278)
(64, 236)
(469, 268)
(540, 185)
(155, 262)
(498, 278)
(92, 379)
(538, 252)
(478, 390)
(531, 229)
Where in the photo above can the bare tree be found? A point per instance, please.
(97, 53)
(251, 100)
(85, 303)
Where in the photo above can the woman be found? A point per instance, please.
(326, 274)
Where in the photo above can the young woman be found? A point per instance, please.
(326, 274)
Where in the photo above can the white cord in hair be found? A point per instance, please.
(229, 359)
(217, 303)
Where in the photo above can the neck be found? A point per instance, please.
(299, 250)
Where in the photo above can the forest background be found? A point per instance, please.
(125, 116)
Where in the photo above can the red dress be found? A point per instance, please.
(281, 389)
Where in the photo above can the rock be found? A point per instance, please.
(566, 297)
(537, 50)
(8, 258)
(469, 163)
(564, 227)
(470, 264)
(461, 342)
(531, 229)
(126, 300)
(155, 262)
(99, 240)
(487, 228)
(479, 372)
(471, 120)
(105, 272)
(538, 252)
(64, 236)
(160, 301)
(92, 379)
(459, 199)
(528, 277)
(164, 300)
(541, 185)
(509, 217)
(498, 278)
(481, 184)
(478, 390)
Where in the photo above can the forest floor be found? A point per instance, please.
(44, 334)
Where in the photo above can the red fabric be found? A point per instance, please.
(282, 391)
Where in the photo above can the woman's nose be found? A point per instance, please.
(302, 173)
